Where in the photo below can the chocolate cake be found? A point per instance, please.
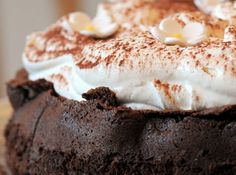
(131, 97)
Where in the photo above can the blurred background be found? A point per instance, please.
(19, 18)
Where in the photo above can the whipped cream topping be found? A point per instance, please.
(230, 33)
(144, 72)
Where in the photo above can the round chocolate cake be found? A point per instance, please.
(145, 87)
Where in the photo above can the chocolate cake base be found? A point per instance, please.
(52, 135)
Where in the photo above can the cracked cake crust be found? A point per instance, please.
(49, 134)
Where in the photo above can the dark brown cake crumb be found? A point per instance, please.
(51, 135)
(21, 90)
(102, 93)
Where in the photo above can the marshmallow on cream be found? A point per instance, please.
(222, 9)
(101, 26)
(226, 11)
(170, 31)
(208, 6)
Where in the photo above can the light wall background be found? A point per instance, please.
(19, 18)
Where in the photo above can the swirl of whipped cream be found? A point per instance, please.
(230, 33)
(143, 72)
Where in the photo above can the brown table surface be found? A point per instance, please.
(5, 113)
